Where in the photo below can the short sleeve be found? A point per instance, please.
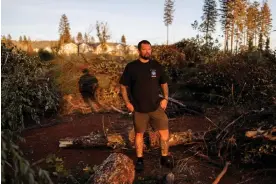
(125, 78)
(163, 76)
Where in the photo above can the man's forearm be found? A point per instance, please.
(124, 94)
(165, 90)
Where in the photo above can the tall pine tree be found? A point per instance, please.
(168, 15)
(225, 19)
(265, 23)
(79, 38)
(123, 39)
(20, 39)
(240, 18)
(85, 38)
(251, 25)
(64, 30)
(209, 18)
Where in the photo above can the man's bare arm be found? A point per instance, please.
(124, 94)
(165, 90)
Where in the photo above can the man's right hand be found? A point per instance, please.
(130, 107)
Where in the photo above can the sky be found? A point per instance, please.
(136, 19)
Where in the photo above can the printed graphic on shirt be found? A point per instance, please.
(153, 72)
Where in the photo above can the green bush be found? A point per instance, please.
(197, 51)
(27, 92)
(15, 168)
(238, 81)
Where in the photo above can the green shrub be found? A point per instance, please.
(27, 92)
(238, 81)
(15, 168)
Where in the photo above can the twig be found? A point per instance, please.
(120, 111)
(38, 162)
(240, 93)
(183, 162)
(6, 59)
(89, 179)
(208, 159)
(73, 179)
(233, 122)
(103, 127)
(232, 94)
(185, 106)
(245, 181)
(221, 174)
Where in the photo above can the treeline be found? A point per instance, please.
(245, 24)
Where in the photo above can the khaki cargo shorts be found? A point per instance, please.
(158, 120)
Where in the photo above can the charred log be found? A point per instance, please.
(119, 140)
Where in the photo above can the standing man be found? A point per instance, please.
(141, 80)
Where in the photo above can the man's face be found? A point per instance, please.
(145, 51)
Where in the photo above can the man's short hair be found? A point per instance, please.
(85, 71)
(143, 42)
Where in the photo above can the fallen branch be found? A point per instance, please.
(96, 139)
(205, 157)
(120, 111)
(266, 134)
(221, 174)
(185, 106)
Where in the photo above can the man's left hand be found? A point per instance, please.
(164, 104)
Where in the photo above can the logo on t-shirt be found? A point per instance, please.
(153, 72)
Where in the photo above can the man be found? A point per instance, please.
(141, 80)
(87, 85)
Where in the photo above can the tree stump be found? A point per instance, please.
(116, 169)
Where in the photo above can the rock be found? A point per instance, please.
(117, 169)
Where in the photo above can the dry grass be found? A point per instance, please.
(68, 70)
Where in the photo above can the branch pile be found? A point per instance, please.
(250, 137)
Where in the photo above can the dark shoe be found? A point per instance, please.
(167, 161)
(139, 166)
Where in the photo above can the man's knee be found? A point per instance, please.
(164, 134)
(139, 135)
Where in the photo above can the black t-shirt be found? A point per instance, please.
(144, 80)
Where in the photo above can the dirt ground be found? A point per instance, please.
(40, 142)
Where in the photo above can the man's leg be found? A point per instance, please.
(140, 125)
(160, 122)
(164, 138)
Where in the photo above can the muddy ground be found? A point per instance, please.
(41, 142)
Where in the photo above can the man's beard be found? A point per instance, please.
(146, 57)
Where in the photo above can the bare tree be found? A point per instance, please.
(103, 34)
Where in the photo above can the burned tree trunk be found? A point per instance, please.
(121, 140)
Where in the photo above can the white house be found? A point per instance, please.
(69, 48)
(117, 49)
(48, 49)
(84, 48)
(132, 49)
